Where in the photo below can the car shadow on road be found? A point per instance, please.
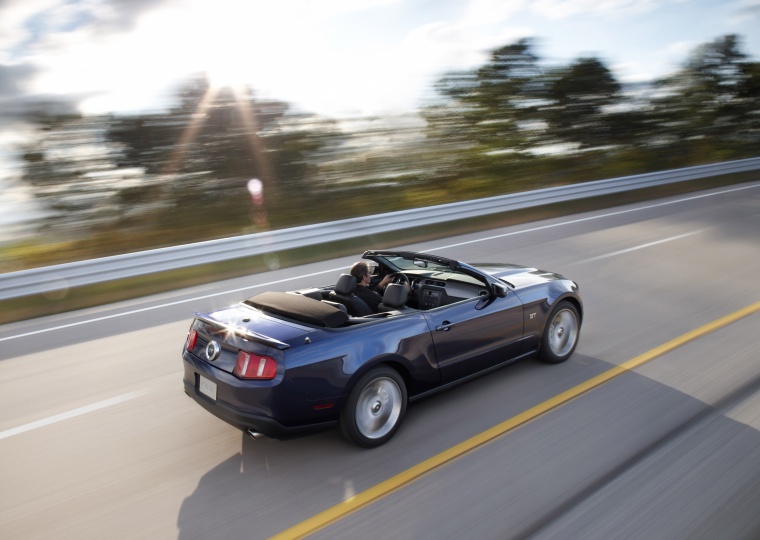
(273, 485)
(252, 494)
(249, 495)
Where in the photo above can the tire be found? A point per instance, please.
(375, 408)
(561, 334)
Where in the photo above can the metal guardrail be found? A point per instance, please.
(63, 276)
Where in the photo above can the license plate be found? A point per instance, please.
(207, 387)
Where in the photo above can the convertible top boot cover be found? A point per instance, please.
(300, 308)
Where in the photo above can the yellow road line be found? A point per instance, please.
(377, 492)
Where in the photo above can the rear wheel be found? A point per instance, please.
(375, 407)
(561, 334)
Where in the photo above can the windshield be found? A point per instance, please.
(404, 263)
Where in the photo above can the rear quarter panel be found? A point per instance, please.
(327, 367)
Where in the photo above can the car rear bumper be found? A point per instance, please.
(247, 421)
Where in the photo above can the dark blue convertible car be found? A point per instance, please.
(281, 363)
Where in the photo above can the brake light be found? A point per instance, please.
(192, 339)
(253, 366)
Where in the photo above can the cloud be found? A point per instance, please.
(27, 23)
(744, 12)
(748, 8)
(14, 17)
(560, 9)
(465, 43)
(16, 104)
(13, 79)
(429, 51)
(122, 15)
(490, 12)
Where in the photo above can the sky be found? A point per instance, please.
(330, 57)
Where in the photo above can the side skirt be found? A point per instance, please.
(463, 380)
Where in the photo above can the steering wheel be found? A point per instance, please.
(400, 278)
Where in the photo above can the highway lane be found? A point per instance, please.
(635, 458)
(669, 448)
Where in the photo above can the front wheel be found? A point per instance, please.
(561, 334)
(375, 407)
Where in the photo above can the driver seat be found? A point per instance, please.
(343, 293)
(394, 298)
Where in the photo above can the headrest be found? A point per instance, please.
(346, 284)
(395, 295)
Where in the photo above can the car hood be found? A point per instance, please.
(517, 275)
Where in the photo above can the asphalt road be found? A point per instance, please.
(98, 440)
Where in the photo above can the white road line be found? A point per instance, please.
(591, 218)
(642, 246)
(185, 301)
(514, 233)
(72, 414)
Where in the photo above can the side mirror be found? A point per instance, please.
(500, 290)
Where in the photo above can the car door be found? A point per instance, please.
(475, 334)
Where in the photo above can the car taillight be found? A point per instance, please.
(253, 366)
(192, 339)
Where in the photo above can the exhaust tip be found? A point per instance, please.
(255, 434)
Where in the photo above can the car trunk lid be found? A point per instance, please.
(240, 328)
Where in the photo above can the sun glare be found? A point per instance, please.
(232, 44)
(226, 66)
(245, 46)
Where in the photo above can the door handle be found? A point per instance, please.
(444, 327)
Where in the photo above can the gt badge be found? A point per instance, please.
(212, 350)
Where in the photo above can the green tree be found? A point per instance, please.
(712, 104)
(214, 141)
(183, 172)
(72, 170)
(488, 106)
(486, 122)
(580, 98)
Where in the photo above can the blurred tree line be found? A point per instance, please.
(515, 123)
(121, 183)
